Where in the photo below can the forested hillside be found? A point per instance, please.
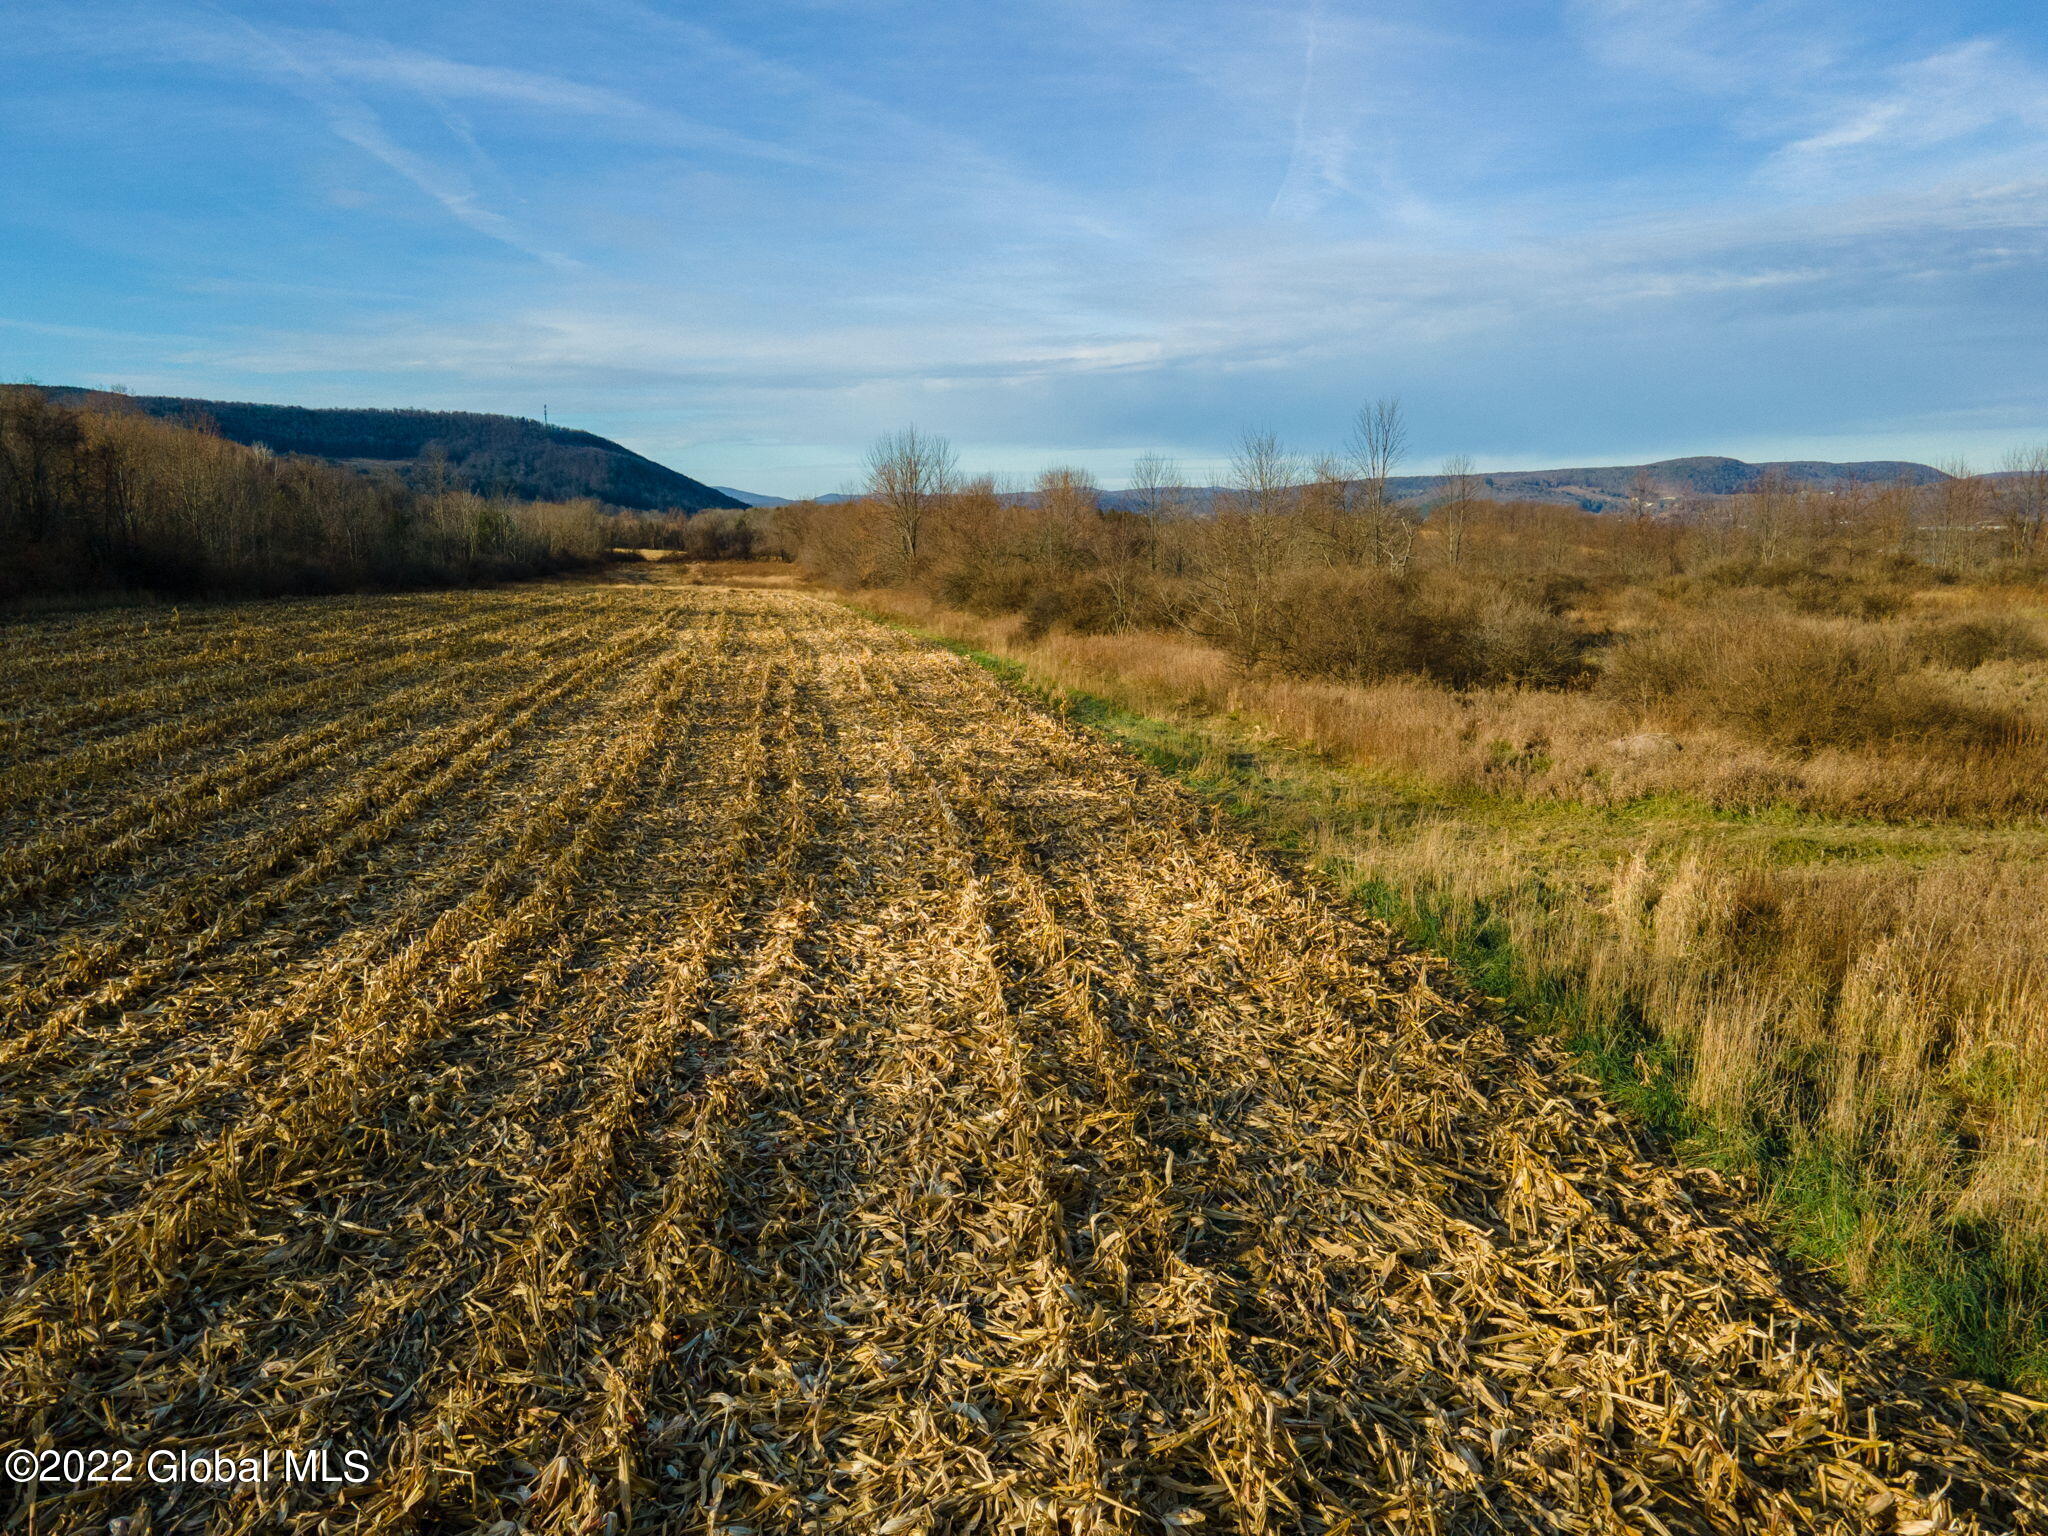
(1596, 488)
(505, 456)
(116, 500)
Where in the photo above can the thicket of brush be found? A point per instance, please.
(1747, 796)
(1863, 651)
(719, 533)
(94, 499)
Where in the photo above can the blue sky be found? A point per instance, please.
(746, 238)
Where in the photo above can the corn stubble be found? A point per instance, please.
(686, 1059)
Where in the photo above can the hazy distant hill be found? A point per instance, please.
(1602, 488)
(1596, 488)
(751, 498)
(493, 455)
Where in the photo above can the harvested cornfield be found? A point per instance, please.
(631, 1059)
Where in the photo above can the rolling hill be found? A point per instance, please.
(1604, 488)
(492, 455)
(751, 498)
(1598, 488)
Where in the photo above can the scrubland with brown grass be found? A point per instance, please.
(1744, 796)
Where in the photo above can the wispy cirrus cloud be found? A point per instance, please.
(341, 57)
(1066, 227)
(1939, 102)
(333, 72)
(1828, 108)
(1325, 137)
(1726, 47)
(317, 74)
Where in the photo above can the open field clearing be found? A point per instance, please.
(658, 1057)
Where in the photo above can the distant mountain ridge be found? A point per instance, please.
(1603, 488)
(1597, 488)
(491, 455)
(751, 498)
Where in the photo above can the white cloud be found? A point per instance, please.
(1720, 47)
(1951, 95)
(1224, 307)
(345, 58)
(330, 70)
(1248, 196)
(1325, 128)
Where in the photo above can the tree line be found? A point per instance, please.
(97, 498)
(1310, 567)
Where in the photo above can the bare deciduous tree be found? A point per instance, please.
(1964, 505)
(1770, 512)
(1068, 502)
(1158, 487)
(2024, 500)
(908, 472)
(1379, 441)
(1453, 511)
(1240, 552)
(1067, 492)
(1642, 492)
(88, 495)
(1329, 505)
(1263, 474)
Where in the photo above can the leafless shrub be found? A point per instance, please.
(1967, 643)
(1801, 686)
(1369, 625)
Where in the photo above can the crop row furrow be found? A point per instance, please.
(873, 1205)
(232, 902)
(69, 722)
(58, 859)
(374, 665)
(1208, 1417)
(55, 655)
(1305, 1085)
(516, 1323)
(680, 1294)
(69, 1045)
(487, 1132)
(129, 1256)
(649, 1058)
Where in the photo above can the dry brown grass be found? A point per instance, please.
(1965, 746)
(682, 1058)
(1887, 1018)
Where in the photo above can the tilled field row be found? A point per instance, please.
(644, 1059)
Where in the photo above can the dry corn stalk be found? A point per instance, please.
(642, 1059)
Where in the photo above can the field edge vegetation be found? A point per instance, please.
(1917, 1237)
